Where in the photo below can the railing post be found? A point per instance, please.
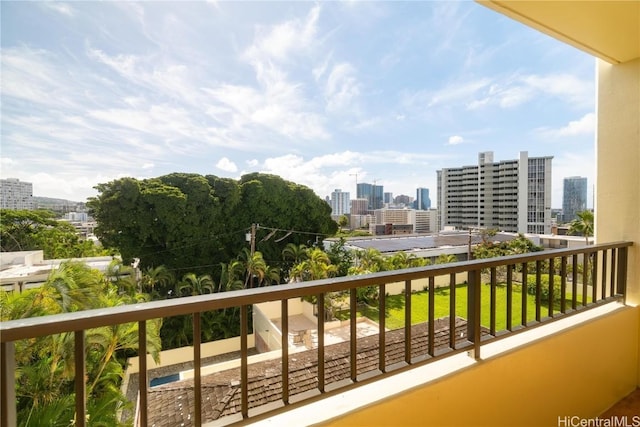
(284, 318)
(79, 380)
(382, 346)
(321, 342)
(473, 311)
(407, 322)
(353, 337)
(621, 275)
(244, 369)
(142, 375)
(197, 370)
(8, 385)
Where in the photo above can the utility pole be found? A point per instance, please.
(254, 227)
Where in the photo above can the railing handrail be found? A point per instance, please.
(88, 319)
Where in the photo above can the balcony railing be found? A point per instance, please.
(603, 279)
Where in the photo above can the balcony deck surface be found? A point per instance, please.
(629, 406)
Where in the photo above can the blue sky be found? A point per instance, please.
(313, 92)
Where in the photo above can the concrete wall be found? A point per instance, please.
(396, 288)
(580, 371)
(185, 354)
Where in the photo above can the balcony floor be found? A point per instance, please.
(628, 406)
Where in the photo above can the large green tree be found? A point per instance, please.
(194, 223)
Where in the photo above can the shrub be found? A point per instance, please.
(367, 294)
(544, 287)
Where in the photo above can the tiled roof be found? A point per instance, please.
(172, 404)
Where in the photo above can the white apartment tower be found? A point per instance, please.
(340, 202)
(15, 194)
(510, 195)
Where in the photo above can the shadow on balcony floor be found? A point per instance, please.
(628, 406)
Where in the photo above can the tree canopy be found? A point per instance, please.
(194, 223)
(26, 230)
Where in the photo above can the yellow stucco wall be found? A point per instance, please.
(618, 163)
(578, 372)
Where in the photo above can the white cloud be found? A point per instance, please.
(327, 172)
(568, 87)
(457, 92)
(148, 166)
(280, 41)
(342, 87)
(252, 163)
(226, 165)
(586, 125)
(455, 139)
(62, 8)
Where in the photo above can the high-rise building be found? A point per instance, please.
(423, 202)
(340, 202)
(373, 193)
(574, 197)
(403, 200)
(359, 206)
(388, 198)
(510, 195)
(15, 194)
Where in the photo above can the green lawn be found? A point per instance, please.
(420, 307)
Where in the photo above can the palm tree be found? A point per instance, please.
(44, 373)
(316, 266)
(271, 276)
(254, 266)
(582, 225)
(294, 253)
(446, 259)
(157, 281)
(195, 285)
(230, 277)
(371, 260)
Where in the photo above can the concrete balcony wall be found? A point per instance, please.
(618, 159)
(581, 371)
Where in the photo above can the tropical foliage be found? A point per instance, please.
(582, 225)
(25, 230)
(45, 374)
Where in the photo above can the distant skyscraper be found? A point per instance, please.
(423, 202)
(340, 202)
(388, 197)
(373, 193)
(403, 200)
(574, 197)
(15, 194)
(511, 195)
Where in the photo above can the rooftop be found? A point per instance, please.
(172, 404)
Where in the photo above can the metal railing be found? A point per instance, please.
(603, 279)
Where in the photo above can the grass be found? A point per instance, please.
(395, 306)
